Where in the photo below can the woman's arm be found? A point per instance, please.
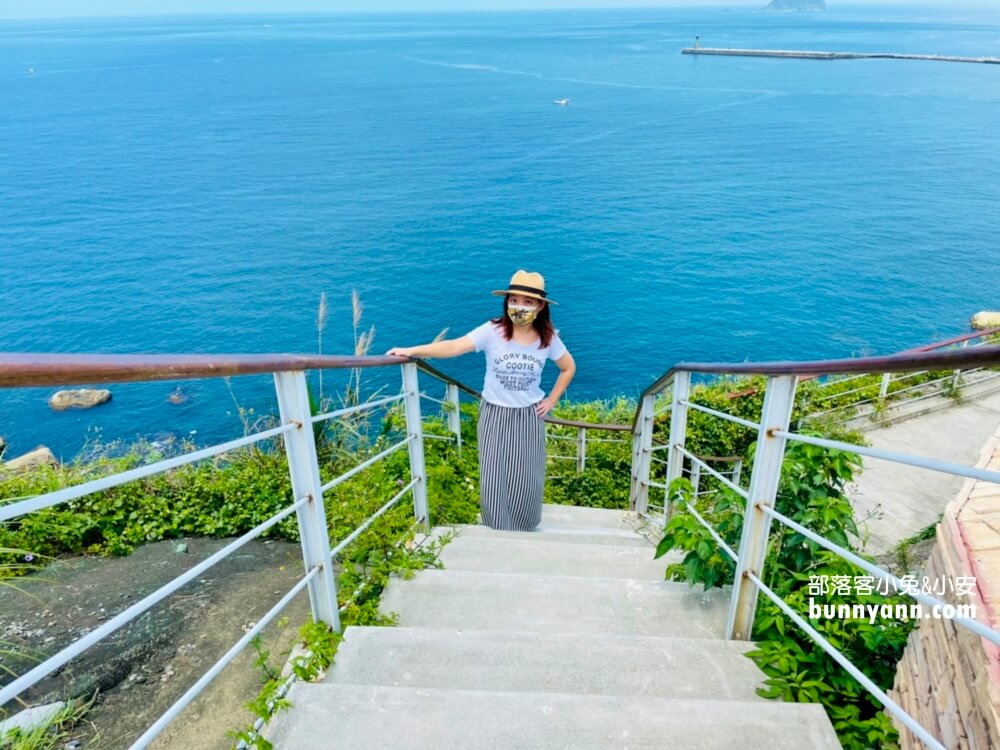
(438, 349)
(567, 369)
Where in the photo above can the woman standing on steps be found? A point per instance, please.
(511, 427)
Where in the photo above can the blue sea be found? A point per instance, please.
(193, 184)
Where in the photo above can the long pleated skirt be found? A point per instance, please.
(511, 466)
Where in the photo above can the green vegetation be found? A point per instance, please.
(811, 493)
(232, 493)
(605, 481)
(51, 734)
(847, 395)
(902, 551)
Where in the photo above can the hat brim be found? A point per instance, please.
(505, 292)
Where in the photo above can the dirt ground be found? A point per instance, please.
(143, 668)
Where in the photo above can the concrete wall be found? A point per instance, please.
(949, 679)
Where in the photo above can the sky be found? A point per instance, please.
(10, 9)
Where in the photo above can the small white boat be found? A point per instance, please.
(561, 102)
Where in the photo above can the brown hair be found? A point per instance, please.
(542, 323)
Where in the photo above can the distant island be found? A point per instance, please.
(788, 6)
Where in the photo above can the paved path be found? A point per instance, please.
(906, 499)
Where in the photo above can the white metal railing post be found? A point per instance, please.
(454, 414)
(303, 466)
(678, 432)
(415, 431)
(695, 478)
(883, 390)
(644, 453)
(958, 373)
(633, 494)
(737, 470)
(770, 450)
(581, 449)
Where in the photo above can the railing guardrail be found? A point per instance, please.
(773, 433)
(295, 430)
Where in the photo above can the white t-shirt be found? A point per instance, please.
(513, 371)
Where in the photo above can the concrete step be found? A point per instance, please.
(555, 604)
(573, 515)
(552, 533)
(388, 718)
(489, 554)
(547, 662)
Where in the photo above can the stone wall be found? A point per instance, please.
(949, 678)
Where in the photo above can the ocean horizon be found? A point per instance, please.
(194, 184)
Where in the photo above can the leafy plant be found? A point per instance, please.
(812, 492)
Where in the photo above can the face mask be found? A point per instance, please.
(522, 316)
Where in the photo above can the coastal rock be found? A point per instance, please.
(788, 6)
(983, 320)
(84, 398)
(177, 397)
(41, 456)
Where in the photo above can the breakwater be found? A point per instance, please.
(817, 55)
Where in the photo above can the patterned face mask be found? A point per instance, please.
(521, 315)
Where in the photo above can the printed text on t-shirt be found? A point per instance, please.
(516, 370)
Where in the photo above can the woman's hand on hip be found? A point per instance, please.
(544, 406)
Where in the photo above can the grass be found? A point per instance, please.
(53, 733)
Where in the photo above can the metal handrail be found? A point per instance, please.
(588, 425)
(371, 519)
(22, 370)
(444, 377)
(49, 499)
(192, 692)
(26, 369)
(365, 464)
(846, 663)
(773, 433)
(894, 395)
(47, 667)
(902, 362)
(359, 407)
(721, 415)
(921, 462)
(982, 356)
(883, 575)
(288, 370)
(957, 340)
(725, 480)
(899, 362)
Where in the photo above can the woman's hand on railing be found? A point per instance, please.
(400, 351)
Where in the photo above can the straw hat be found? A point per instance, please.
(527, 283)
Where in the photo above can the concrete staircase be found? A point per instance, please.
(566, 637)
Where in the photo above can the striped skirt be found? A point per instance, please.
(511, 466)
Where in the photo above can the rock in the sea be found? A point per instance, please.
(41, 456)
(83, 398)
(177, 397)
(786, 6)
(983, 320)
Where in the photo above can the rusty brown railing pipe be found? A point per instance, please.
(956, 340)
(588, 425)
(980, 356)
(28, 370)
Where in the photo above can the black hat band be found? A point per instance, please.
(523, 288)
